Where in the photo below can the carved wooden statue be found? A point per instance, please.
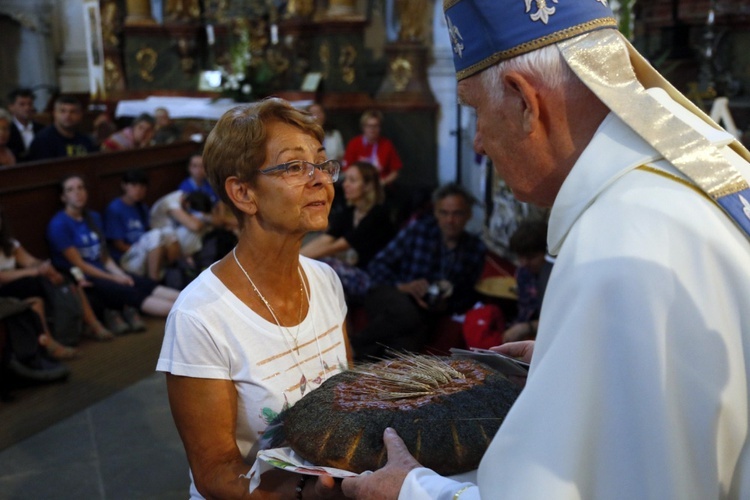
(414, 17)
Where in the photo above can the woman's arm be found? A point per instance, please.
(29, 266)
(120, 245)
(205, 413)
(14, 274)
(323, 246)
(74, 257)
(188, 220)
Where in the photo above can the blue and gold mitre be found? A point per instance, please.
(484, 32)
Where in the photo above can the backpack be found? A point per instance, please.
(484, 326)
(65, 315)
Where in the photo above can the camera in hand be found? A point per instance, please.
(438, 291)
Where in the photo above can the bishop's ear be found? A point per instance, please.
(241, 194)
(527, 99)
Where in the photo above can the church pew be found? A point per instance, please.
(30, 196)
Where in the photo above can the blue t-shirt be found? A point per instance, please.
(64, 232)
(188, 186)
(124, 222)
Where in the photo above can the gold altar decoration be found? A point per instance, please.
(401, 73)
(299, 9)
(324, 54)
(110, 24)
(415, 17)
(138, 13)
(182, 10)
(146, 59)
(347, 58)
(342, 8)
(112, 75)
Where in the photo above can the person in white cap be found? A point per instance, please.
(640, 375)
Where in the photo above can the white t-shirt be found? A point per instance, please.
(211, 334)
(8, 262)
(160, 218)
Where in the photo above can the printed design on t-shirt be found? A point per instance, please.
(72, 150)
(273, 424)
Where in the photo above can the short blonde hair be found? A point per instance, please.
(369, 114)
(237, 144)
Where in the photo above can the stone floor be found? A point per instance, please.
(124, 447)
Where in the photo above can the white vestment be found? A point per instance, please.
(638, 387)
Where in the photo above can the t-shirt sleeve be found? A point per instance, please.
(190, 350)
(60, 235)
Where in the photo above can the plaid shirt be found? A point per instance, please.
(418, 252)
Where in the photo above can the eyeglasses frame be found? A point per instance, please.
(311, 172)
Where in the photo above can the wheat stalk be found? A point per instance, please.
(407, 376)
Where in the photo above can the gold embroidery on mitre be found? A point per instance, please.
(543, 12)
(456, 37)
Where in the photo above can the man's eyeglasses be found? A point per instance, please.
(298, 172)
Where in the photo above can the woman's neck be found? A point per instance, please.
(76, 213)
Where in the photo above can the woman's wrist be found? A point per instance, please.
(300, 487)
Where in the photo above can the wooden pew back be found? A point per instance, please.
(30, 195)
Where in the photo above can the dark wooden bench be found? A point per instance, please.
(30, 196)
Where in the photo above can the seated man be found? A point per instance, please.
(62, 139)
(24, 128)
(427, 272)
(137, 248)
(529, 243)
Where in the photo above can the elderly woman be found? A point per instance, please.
(263, 326)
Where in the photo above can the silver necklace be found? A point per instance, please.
(303, 381)
(268, 305)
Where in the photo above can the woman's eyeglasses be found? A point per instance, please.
(298, 172)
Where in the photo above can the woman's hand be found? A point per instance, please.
(47, 270)
(122, 279)
(323, 487)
